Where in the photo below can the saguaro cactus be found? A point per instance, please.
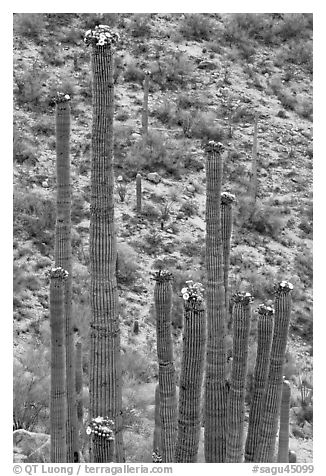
(236, 401)
(145, 105)
(63, 258)
(79, 383)
(138, 193)
(264, 345)
(105, 368)
(58, 403)
(283, 440)
(166, 375)
(192, 369)
(215, 383)
(227, 200)
(157, 439)
(272, 399)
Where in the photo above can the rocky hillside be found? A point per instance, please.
(210, 75)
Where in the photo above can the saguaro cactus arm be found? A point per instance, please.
(58, 403)
(227, 200)
(264, 345)
(145, 105)
(236, 399)
(283, 441)
(192, 368)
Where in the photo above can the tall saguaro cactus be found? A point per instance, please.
(157, 439)
(166, 371)
(79, 383)
(236, 401)
(145, 105)
(192, 369)
(227, 200)
(272, 399)
(264, 345)
(215, 383)
(63, 258)
(283, 441)
(58, 403)
(105, 367)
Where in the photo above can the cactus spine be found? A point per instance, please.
(138, 193)
(215, 383)
(63, 258)
(58, 403)
(157, 440)
(227, 200)
(145, 105)
(236, 401)
(79, 383)
(105, 368)
(166, 375)
(272, 399)
(192, 369)
(264, 345)
(283, 442)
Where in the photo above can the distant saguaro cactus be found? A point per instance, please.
(138, 193)
(264, 345)
(283, 441)
(157, 438)
(227, 200)
(63, 258)
(167, 379)
(145, 105)
(192, 369)
(265, 451)
(105, 367)
(216, 388)
(236, 400)
(58, 402)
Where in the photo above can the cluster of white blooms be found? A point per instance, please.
(263, 309)
(58, 273)
(227, 198)
(245, 298)
(101, 426)
(101, 35)
(61, 97)
(283, 286)
(193, 291)
(156, 457)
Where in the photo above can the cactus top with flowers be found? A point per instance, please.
(213, 146)
(102, 427)
(61, 97)
(265, 310)
(58, 273)
(193, 292)
(227, 198)
(283, 287)
(162, 275)
(101, 35)
(244, 298)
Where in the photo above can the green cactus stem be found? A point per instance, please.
(145, 105)
(58, 401)
(227, 200)
(63, 258)
(166, 371)
(138, 193)
(236, 401)
(264, 345)
(157, 439)
(216, 388)
(105, 366)
(192, 370)
(102, 429)
(79, 383)
(265, 452)
(283, 441)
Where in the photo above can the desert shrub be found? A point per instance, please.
(140, 25)
(133, 73)
(296, 52)
(266, 220)
(196, 26)
(29, 84)
(294, 25)
(189, 208)
(188, 101)
(304, 108)
(153, 242)
(200, 125)
(127, 267)
(44, 125)
(190, 247)
(304, 266)
(29, 25)
(34, 215)
(166, 112)
(122, 116)
(150, 212)
(122, 142)
(23, 149)
(135, 365)
(172, 71)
